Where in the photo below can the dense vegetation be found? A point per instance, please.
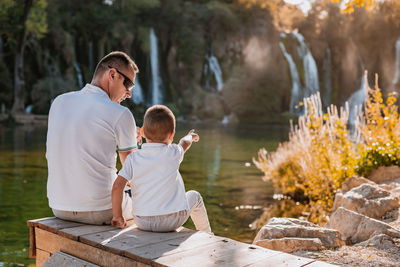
(42, 42)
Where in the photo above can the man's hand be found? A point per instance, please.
(118, 222)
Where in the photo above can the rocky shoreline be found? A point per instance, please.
(363, 228)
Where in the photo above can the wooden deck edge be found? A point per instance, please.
(35, 222)
(32, 242)
(51, 243)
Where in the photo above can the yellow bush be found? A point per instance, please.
(379, 132)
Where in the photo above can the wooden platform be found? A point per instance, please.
(110, 246)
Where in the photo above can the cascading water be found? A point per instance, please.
(327, 77)
(156, 82)
(215, 69)
(357, 100)
(296, 86)
(310, 67)
(137, 93)
(397, 63)
(79, 77)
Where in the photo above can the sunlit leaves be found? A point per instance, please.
(351, 4)
(36, 23)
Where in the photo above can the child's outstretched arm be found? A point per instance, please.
(116, 198)
(188, 139)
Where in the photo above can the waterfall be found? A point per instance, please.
(357, 99)
(28, 109)
(327, 77)
(310, 67)
(215, 69)
(137, 92)
(397, 64)
(156, 82)
(79, 77)
(296, 86)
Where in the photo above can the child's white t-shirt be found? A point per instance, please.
(157, 186)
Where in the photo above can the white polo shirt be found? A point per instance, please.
(157, 185)
(85, 130)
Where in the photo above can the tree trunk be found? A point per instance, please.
(19, 78)
(19, 84)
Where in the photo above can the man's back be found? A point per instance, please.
(85, 130)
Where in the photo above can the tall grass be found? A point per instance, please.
(321, 153)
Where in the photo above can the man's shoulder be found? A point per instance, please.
(65, 96)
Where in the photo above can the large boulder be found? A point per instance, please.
(354, 181)
(355, 227)
(367, 199)
(287, 234)
(291, 244)
(384, 174)
(382, 242)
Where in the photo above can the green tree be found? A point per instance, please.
(19, 21)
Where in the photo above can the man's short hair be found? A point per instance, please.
(159, 123)
(116, 59)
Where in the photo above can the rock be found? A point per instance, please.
(291, 244)
(354, 181)
(384, 174)
(367, 199)
(355, 227)
(382, 241)
(280, 228)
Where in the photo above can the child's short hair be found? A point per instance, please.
(159, 123)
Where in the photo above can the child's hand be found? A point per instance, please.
(118, 222)
(138, 135)
(195, 136)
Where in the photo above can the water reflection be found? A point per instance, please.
(215, 166)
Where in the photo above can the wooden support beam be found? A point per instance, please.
(52, 243)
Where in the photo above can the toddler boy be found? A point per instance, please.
(160, 203)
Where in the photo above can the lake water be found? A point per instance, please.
(219, 167)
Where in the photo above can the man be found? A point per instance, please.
(85, 130)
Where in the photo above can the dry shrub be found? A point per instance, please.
(321, 154)
(312, 165)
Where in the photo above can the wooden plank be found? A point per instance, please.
(87, 230)
(52, 242)
(61, 259)
(166, 247)
(283, 259)
(56, 226)
(132, 234)
(32, 243)
(41, 257)
(36, 221)
(226, 252)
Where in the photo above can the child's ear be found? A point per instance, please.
(171, 137)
